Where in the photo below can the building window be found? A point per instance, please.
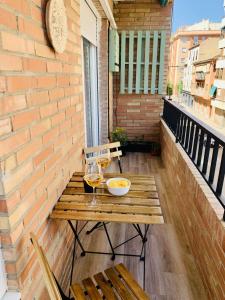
(200, 84)
(184, 50)
(223, 33)
(195, 40)
(219, 73)
(182, 60)
(203, 38)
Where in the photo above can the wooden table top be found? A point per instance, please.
(140, 205)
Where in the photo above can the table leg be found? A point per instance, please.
(143, 242)
(77, 237)
(110, 243)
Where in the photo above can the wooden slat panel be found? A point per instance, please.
(122, 62)
(131, 282)
(162, 57)
(91, 289)
(138, 64)
(115, 217)
(146, 70)
(131, 66)
(132, 194)
(74, 184)
(118, 285)
(112, 155)
(109, 208)
(84, 198)
(77, 292)
(101, 147)
(105, 287)
(127, 175)
(154, 62)
(133, 181)
(46, 271)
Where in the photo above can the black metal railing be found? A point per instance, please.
(204, 145)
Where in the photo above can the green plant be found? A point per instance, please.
(180, 87)
(169, 89)
(119, 134)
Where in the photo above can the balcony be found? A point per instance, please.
(56, 98)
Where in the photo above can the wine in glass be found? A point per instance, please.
(93, 177)
(104, 159)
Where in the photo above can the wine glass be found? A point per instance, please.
(104, 159)
(93, 177)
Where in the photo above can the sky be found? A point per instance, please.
(187, 12)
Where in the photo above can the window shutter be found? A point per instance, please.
(142, 56)
(113, 51)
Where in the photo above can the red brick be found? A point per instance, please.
(8, 19)
(32, 30)
(37, 98)
(29, 150)
(19, 83)
(37, 14)
(40, 128)
(34, 65)
(12, 143)
(10, 63)
(44, 51)
(9, 41)
(48, 110)
(46, 81)
(5, 126)
(2, 84)
(20, 5)
(56, 93)
(54, 67)
(50, 135)
(25, 118)
(43, 156)
(31, 181)
(12, 103)
(58, 118)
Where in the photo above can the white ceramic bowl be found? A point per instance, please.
(118, 191)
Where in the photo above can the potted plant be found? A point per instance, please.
(169, 90)
(119, 135)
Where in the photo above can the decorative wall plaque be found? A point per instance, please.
(56, 23)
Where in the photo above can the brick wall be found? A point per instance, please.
(197, 213)
(139, 114)
(41, 137)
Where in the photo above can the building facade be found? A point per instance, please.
(184, 39)
(52, 105)
(219, 101)
(186, 96)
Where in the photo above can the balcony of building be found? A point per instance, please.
(65, 86)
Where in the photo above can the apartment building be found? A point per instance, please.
(219, 101)
(184, 39)
(186, 95)
(203, 76)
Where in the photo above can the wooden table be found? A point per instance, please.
(140, 206)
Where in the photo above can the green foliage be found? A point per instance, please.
(180, 87)
(169, 89)
(119, 135)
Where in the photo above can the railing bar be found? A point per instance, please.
(206, 156)
(194, 152)
(200, 148)
(187, 134)
(213, 162)
(191, 138)
(220, 181)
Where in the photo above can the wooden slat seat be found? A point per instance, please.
(117, 282)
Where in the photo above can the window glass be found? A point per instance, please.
(195, 40)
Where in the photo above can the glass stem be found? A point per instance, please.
(94, 198)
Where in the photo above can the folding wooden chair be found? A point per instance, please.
(114, 284)
(92, 153)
